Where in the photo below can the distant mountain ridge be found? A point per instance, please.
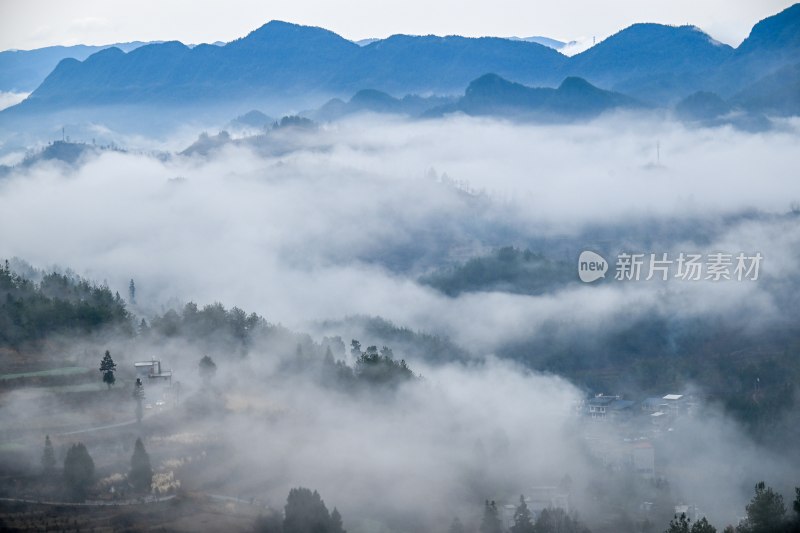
(373, 101)
(285, 60)
(490, 95)
(300, 66)
(650, 61)
(574, 99)
(24, 70)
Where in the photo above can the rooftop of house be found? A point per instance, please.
(618, 405)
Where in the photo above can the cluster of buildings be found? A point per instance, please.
(625, 434)
(658, 410)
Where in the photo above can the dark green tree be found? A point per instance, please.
(141, 474)
(355, 349)
(702, 526)
(796, 507)
(378, 368)
(132, 292)
(207, 368)
(491, 519)
(305, 512)
(766, 512)
(48, 457)
(138, 395)
(557, 520)
(679, 524)
(337, 525)
(78, 471)
(108, 367)
(523, 519)
(796, 503)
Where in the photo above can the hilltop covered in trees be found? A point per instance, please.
(506, 269)
(57, 303)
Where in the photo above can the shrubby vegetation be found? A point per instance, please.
(211, 324)
(549, 520)
(305, 512)
(507, 269)
(766, 513)
(372, 367)
(419, 345)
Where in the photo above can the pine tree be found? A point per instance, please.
(765, 512)
(305, 512)
(207, 368)
(557, 519)
(337, 526)
(796, 508)
(48, 456)
(107, 367)
(355, 349)
(491, 519)
(679, 524)
(141, 474)
(702, 526)
(132, 292)
(523, 520)
(796, 503)
(78, 470)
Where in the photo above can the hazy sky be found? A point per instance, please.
(26, 24)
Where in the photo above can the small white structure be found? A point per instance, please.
(151, 370)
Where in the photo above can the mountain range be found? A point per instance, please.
(299, 66)
(490, 95)
(21, 71)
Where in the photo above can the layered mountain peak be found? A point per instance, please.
(292, 65)
(287, 34)
(576, 84)
(660, 45)
(780, 31)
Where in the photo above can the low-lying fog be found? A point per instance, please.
(347, 220)
(346, 223)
